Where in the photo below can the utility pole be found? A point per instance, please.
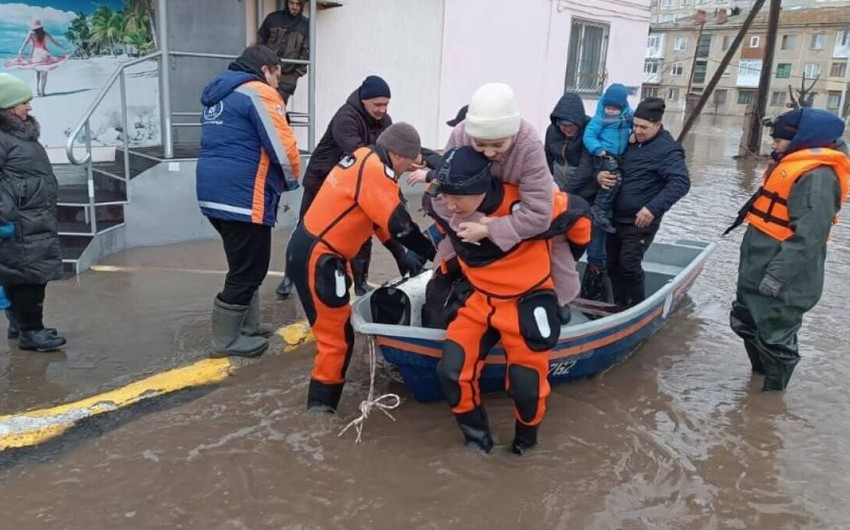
(701, 15)
(754, 144)
(733, 49)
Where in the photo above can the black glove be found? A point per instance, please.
(409, 262)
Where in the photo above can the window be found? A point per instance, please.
(727, 41)
(789, 42)
(653, 42)
(672, 94)
(700, 68)
(754, 42)
(650, 67)
(843, 38)
(586, 57)
(783, 70)
(838, 70)
(726, 72)
(749, 68)
(818, 42)
(720, 96)
(667, 3)
(746, 97)
(649, 92)
(678, 69)
(681, 44)
(704, 46)
(833, 100)
(777, 99)
(812, 70)
(669, 17)
(686, 3)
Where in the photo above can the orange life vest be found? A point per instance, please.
(769, 210)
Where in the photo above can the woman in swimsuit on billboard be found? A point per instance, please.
(40, 59)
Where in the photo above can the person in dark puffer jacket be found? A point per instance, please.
(655, 177)
(29, 239)
(565, 150)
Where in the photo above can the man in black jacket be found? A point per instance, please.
(358, 123)
(287, 32)
(655, 177)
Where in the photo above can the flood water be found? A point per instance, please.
(678, 436)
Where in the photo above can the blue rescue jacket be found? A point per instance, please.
(245, 140)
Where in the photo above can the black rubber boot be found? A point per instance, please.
(323, 398)
(15, 331)
(360, 269)
(40, 340)
(284, 289)
(525, 438)
(227, 321)
(476, 429)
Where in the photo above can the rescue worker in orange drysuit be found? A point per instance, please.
(360, 196)
(513, 298)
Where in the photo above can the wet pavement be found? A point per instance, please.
(678, 436)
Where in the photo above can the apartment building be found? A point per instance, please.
(666, 11)
(813, 47)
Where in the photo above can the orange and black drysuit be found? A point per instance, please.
(512, 301)
(359, 198)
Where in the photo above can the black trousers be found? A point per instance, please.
(625, 251)
(248, 248)
(27, 305)
(605, 198)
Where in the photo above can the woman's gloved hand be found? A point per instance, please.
(409, 262)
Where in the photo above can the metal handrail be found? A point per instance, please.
(69, 146)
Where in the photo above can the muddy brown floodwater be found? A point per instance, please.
(677, 436)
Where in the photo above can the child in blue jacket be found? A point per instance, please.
(606, 138)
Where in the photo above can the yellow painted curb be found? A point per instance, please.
(34, 427)
(30, 428)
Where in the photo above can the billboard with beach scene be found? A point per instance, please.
(66, 50)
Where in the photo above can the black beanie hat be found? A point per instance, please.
(785, 126)
(651, 109)
(463, 171)
(374, 87)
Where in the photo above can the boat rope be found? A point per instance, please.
(383, 403)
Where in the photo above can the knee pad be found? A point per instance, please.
(331, 281)
(539, 323)
(448, 371)
(525, 391)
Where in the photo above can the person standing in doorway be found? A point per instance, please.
(29, 239)
(358, 123)
(287, 32)
(655, 177)
(245, 141)
(781, 271)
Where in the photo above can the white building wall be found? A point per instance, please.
(492, 40)
(400, 40)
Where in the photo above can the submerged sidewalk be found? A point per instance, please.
(138, 313)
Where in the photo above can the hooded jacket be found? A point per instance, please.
(350, 128)
(559, 148)
(289, 37)
(28, 196)
(245, 141)
(608, 133)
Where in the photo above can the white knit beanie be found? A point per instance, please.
(493, 113)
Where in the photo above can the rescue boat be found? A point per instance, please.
(598, 336)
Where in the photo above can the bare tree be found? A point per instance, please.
(803, 96)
